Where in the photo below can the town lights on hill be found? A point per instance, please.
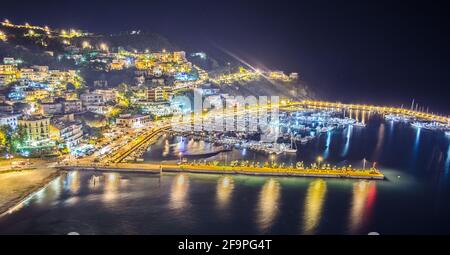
(103, 47)
(2, 36)
(86, 45)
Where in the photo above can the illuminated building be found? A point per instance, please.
(6, 107)
(68, 133)
(28, 74)
(6, 79)
(100, 109)
(278, 75)
(156, 108)
(179, 56)
(37, 129)
(92, 99)
(72, 106)
(159, 94)
(132, 121)
(109, 95)
(142, 64)
(8, 74)
(10, 120)
(2, 36)
(117, 64)
(51, 108)
(11, 61)
(32, 95)
(43, 69)
(293, 76)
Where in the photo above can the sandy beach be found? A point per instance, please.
(15, 185)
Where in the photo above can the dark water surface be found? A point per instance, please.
(415, 199)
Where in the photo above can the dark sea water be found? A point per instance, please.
(415, 198)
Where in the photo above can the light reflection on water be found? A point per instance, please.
(185, 190)
(380, 142)
(415, 148)
(315, 198)
(72, 181)
(447, 162)
(111, 187)
(179, 191)
(326, 153)
(364, 196)
(347, 141)
(268, 204)
(225, 186)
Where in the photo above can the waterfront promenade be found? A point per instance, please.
(244, 170)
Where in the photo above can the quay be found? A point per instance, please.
(371, 174)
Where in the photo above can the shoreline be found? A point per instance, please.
(10, 205)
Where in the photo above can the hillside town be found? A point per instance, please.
(47, 111)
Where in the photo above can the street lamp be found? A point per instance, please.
(272, 158)
(181, 155)
(103, 47)
(319, 160)
(86, 45)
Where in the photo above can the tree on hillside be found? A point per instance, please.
(18, 138)
(4, 134)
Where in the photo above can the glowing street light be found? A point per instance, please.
(103, 47)
(319, 160)
(272, 158)
(181, 155)
(85, 45)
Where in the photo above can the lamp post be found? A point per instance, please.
(272, 158)
(319, 160)
(181, 155)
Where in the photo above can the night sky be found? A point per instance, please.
(353, 51)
